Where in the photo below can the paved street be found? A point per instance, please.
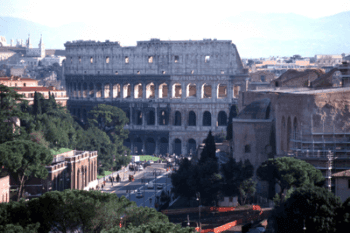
(141, 178)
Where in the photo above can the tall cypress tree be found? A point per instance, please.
(233, 114)
(208, 150)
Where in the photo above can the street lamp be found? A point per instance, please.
(199, 209)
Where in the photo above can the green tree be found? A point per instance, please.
(180, 180)
(313, 206)
(289, 172)
(37, 104)
(209, 151)
(233, 114)
(25, 159)
(157, 227)
(247, 189)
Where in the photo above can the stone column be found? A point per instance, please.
(131, 122)
(183, 89)
(143, 118)
(143, 91)
(102, 90)
(215, 92)
(132, 91)
(156, 90)
(213, 120)
(121, 92)
(170, 90)
(111, 91)
(94, 90)
(198, 91)
(229, 92)
(156, 117)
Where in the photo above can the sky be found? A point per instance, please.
(131, 21)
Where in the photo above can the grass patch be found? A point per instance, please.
(105, 174)
(60, 151)
(149, 157)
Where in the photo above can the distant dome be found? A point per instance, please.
(259, 109)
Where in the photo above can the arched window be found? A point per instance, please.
(222, 118)
(150, 146)
(177, 90)
(191, 90)
(163, 118)
(139, 118)
(150, 91)
(127, 91)
(138, 91)
(163, 90)
(98, 90)
(191, 146)
(177, 148)
(192, 118)
(116, 90)
(151, 118)
(163, 146)
(177, 118)
(222, 91)
(206, 91)
(206, 118)
(106, 90)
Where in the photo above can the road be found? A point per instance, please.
(141, 178)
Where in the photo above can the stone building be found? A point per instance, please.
(303, 122)
(5, 189)
(173, 92)
(342, 184)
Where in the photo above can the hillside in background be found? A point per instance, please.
(255, 34)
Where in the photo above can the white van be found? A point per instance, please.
(150, 185)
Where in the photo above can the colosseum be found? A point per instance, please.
(173, 92)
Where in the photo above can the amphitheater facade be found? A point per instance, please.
(173, 92)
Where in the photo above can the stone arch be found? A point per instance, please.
(163, 146)
(79, 90)
(192, 118)
(138, 91)
(191, 90)
(163, 117)
(106, 90)
(206, 118)
(150, 117)
(206, 91)
(150, 91)
(177, 146)
(127, 90)
(289, 133)
(191, 146)
(177, 90)
(163, 90)
(138, 146)
(85, 90)
(150, 146)
(283, 132)
(116, 90)
(138, 116)
(222, 118)
(98, 90)
(91, 90)
(177, 119)
(221, 91)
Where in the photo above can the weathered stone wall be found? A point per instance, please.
(178, 90)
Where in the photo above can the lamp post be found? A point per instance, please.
(199, 210)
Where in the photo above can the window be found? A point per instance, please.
(263, 79)
(79, 59)
(222, 72)
(176, 59)
(126, 60)
(206, 59)
(107, 60)
(91, 60)
(84, 72)
(138, 72)
(247, 148)
(163, 72)
(150, 59)
(116, 73)
(192, 72)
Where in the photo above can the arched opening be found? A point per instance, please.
(177, 121)
(98, 90)
(295, 131)
(163, 90)
(91, 92)
(74, 90)
(150, 117)
(192, 118)
(85, 91)
(222, 118)
(222, 91)
(191, 147)
(163, 117)
(150, 146)
(206, 91)
(163, 146)
(138, 91)
(283, 131)
(289, 134)
(206, 118)
(127, 143)
(150, 91)
(127, 91)
(177, 147)
(138, 117)
(79, 90)
(116, 90)
(177, 90)
(106, 90)
(191, 90)
(138, 146)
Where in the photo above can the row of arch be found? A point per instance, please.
(149, 91)
(149, 118)
(289, 131)
(86, 174)
(150, 146)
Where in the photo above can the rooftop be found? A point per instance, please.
(303, 90)
(342, 174)
(60, 151)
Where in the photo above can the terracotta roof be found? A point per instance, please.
(342, 174)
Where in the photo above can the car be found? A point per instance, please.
(160, 186)
(139, 194)
(150, 185)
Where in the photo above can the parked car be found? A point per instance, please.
(150, 185)
(139, 194)
(160, 186)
